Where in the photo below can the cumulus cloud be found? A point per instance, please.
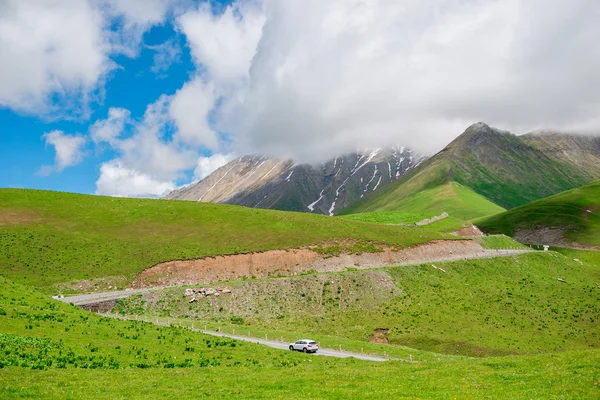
(149, 153)
(68, 148)
(190, 108)
(135, 17)
(148, 149)
(117, 180)
(207, 165)
(328, 76)
(108, 130)
(50, 48)
(224, 44)
(56, 55)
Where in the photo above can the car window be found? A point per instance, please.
(298, 342)
(312, 342)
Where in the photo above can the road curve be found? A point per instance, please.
(284, 346)
(85, 299)
(271, 343)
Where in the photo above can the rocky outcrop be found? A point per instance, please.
(258, 181)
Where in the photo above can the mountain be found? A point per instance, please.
(505, 169)
(258, 181)
(567, 219)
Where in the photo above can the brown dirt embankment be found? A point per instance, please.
(295, 261)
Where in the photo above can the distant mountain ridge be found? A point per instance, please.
(506, 169)
(259, 181)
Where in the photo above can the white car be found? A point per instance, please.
(305, 345)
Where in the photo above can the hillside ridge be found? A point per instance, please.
(506, 169)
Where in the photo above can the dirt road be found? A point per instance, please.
(274, 344)
(92, 298)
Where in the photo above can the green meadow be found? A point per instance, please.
(55, 351)
(574, 212)
(48, 237)
(514, 327)
(487, 307)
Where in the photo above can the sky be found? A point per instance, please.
(135, 98)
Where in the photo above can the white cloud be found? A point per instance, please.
(50, 48)
(68, 148)
(55, 55)
(147, 157)
(108, 130)
(117, 180)
(149, 151)
(207, 165)
(165, 55)
(190, 108)
(137, 17)
(328, 76)
(224, 43)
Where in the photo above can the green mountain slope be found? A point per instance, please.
(505, 169)
(50, 237)
(568, 218)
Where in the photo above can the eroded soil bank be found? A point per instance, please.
(295, 261)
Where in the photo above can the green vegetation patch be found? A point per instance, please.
(500, 242)
(48, 238)
(574, 213)
(39, 333)
(428, 192)
(499, 306)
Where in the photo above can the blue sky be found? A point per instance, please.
(131, 86)
(135, 98)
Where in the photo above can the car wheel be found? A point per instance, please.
(291, 347)
(304, 350)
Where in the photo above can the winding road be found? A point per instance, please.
(92, 298)
(271, 343)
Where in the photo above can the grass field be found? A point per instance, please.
(492, 328)
(569, 375)
(48, 238)
(513, 305)
(574, 212)
(52, 350)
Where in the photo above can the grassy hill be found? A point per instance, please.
(53, 350)
(493, 169)
(486, 307)
(570, 217)
(48, 237)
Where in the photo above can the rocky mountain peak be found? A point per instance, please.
(326, 188)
